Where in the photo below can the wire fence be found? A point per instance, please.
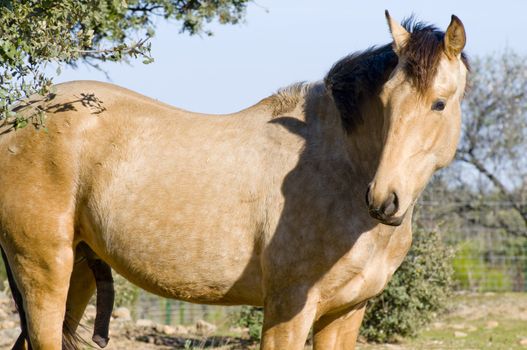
(487, 257)
(172, 312)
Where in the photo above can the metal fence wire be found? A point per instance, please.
(172, 312)
(488, 257)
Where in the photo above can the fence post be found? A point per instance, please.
(181, 313)
(168, 311)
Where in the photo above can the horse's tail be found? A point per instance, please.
(69, 337)
(105, 298)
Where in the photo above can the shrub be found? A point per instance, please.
(126, 294)
(252, 318)
(418, 290)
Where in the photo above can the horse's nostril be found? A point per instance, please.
(391, 205)
(368, 196)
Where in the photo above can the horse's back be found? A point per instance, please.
(157, 191)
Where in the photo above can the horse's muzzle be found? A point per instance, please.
(385, 213)
(387, 220)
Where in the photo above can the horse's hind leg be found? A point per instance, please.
(21, 342)
(41, 258)
(82, 287)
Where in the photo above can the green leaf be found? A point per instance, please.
(148, 60)
(20, 123)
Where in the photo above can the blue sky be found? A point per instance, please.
(282, 42)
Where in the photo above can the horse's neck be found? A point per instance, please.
(358, 152)
(362, 146)
(365, 143)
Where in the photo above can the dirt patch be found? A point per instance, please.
(477, 306)
(474, 321)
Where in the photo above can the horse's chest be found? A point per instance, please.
(364, 272)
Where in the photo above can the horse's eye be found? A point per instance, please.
(438, 105)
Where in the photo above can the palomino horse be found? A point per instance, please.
(261, 207)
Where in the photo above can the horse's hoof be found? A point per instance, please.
(99, 340)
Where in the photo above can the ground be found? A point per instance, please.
(474, 321)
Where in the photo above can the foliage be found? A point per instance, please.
(3, 273)
(418, 290)
(35, 33)
(126, 294)
(252, 318)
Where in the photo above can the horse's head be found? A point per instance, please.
(422, 116)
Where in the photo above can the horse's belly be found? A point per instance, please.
(181, 224)
(194, 263)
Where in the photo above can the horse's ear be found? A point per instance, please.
(455, 38)
(399, 34)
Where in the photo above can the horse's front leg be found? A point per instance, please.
(289, 314)
(338, 331)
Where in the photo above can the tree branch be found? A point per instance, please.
(144, 8)
(472, 160)
(129, 49)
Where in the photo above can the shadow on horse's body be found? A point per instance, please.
(262, 207)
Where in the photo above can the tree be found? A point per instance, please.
(35, 33)
(494, 139)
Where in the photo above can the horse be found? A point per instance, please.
(301, 203)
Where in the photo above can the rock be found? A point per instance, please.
(203, 327)
(438, 325)
(145, 323)
(122, 313)
(471, 329)
(168, 330)
(3, 315)
(458, 326)
(90, 313)
(4, 298)
(7, 324)
(393, 346)
(151, 340)
(459, 334)
(159, 327)
(241, 331)
(492, 324)
(181, 330)
(8, 337)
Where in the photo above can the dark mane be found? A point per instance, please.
(361, 75)
(356, 77)
(422, 52)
